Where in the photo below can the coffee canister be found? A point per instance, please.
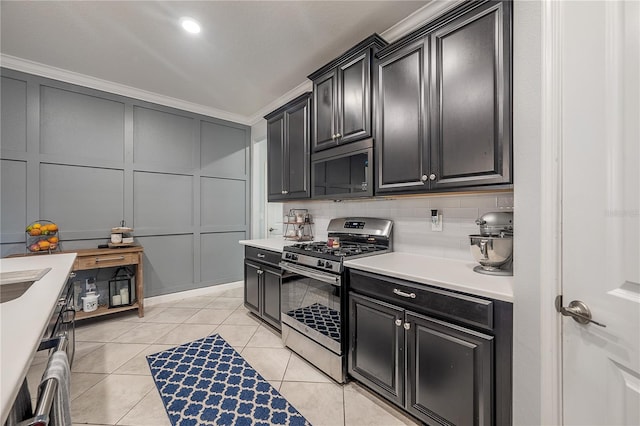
(90, 302)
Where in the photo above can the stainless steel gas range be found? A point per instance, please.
(314, 297)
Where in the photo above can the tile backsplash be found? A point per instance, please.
(412, 219)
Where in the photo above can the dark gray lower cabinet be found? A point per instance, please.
(416, 354)
(450, 372)
(262, 282)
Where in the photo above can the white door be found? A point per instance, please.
(601, 211)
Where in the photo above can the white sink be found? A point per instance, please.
(15, 283)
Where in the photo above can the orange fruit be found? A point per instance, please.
(52, 240)
(44, 244)
(52, 227)
(35, 231)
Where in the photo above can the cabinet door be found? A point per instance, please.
(376, 344)
(354, 99)
(275, 158)
(324, 111)
(252, 274)
(471, 143)
(402, 132)
(297, 156)
(450, 373)
(271, 297)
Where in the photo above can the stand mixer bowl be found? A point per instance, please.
(492, 253)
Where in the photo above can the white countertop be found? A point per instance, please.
(275, 244)
(24, 320)
(444, 273)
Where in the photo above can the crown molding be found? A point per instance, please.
(414, 21)
(42, 70)
(305, 86)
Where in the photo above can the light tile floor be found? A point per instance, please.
(111, 383)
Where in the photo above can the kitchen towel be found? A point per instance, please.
(206, 382)
(58, 370)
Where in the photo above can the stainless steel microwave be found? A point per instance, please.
(345, 171)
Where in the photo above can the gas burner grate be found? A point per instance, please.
(320, 318)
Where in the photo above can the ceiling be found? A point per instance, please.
(249, 54)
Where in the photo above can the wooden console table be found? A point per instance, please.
(107, 258)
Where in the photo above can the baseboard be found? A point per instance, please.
(203, 291)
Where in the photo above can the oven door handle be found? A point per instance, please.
(307, 272)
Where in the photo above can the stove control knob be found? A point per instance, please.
(287, 255)
(328, 265)
(320, 263)
(294, 257)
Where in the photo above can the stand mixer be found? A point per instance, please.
(493, 247)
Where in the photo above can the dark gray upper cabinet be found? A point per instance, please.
(402, 133)
(342, 96)
(444, 103)
(288, 150)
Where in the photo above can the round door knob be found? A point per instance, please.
(338, 135)
(424, 178)
(282, 192)
(398, 322)
(333, 136)
(432, 176)
(407, 325)
(285, 192)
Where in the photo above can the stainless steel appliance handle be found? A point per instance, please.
(48, 391)
(308, 272)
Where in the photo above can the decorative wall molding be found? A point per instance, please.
(418, 18)
(54, 73)
(305, 86)
(551, 219)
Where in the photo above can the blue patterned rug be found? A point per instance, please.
(206, 382)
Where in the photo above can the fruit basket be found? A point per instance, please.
(42, 237)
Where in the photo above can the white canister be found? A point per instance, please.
(116, 238)
(90, 302)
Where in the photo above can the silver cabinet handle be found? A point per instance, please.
(404, 294)
(398, 322)
(107, 259)
(424, 178)
(578, 310)
(407, 325)
(432, 176)
(260, 256)
(286, 192)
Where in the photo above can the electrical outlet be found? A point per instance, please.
(436, 225)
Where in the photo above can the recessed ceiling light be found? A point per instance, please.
(190, 25)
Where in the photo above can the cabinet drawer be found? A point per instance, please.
(105, 261)
(262, 255)
(425, 299)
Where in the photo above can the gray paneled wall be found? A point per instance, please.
(88, 159)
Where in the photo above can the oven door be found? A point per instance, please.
(311, 304)
(343, 172)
